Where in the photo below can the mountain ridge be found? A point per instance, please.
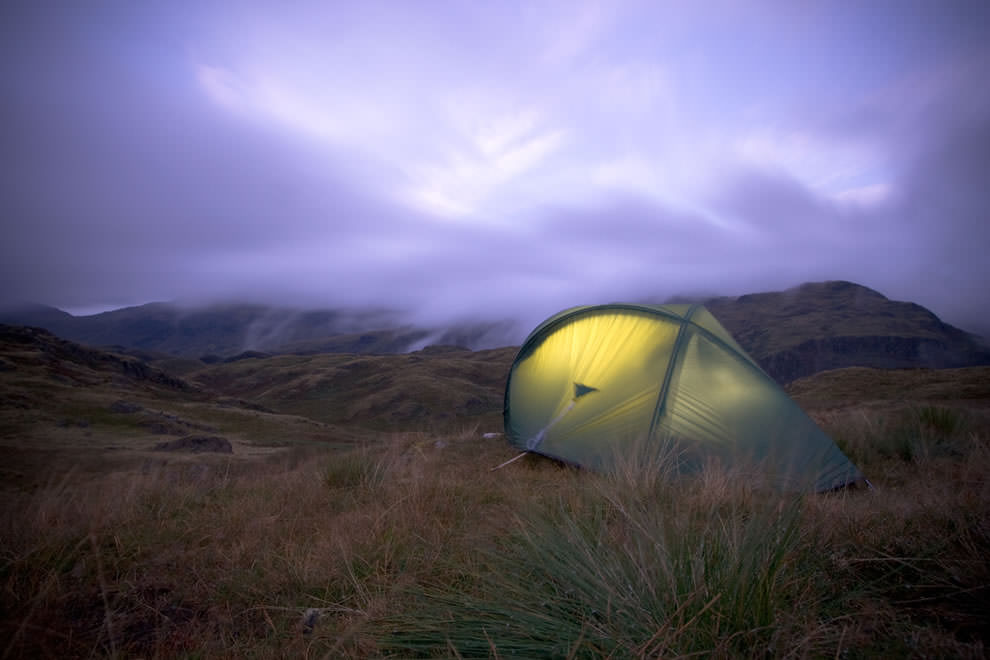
(793, 333)
(818, 326)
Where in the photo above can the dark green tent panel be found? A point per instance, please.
(590, 382)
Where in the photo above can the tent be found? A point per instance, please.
(591, 382)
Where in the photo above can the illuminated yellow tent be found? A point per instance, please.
(593, 382)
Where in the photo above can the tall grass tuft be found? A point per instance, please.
(363, 468)
(940, 420)
(908, 434)
(633, 565)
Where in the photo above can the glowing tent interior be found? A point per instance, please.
(593, 382)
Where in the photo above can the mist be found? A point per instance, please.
(488, 163)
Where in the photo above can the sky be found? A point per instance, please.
(473, 159)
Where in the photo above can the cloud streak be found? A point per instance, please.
(499, 160)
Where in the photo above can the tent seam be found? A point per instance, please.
(668, 375)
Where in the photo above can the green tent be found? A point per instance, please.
(593, 382)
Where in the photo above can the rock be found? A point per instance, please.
(197, 443)
(820, 326)
(309, 620)
(125, 407)
(164, 428)
(168, 424)
(248, 355)
(69, 423)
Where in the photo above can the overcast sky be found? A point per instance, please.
(494, 158)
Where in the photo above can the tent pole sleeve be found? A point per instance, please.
(668, 375)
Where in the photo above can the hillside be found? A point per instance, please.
(969, 386)
(829, 325)
(61, 404)
(51, 388)
(431, 389)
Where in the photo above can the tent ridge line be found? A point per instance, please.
(657, 310)
(545, 328)
(708, 334)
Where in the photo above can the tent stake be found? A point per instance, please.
(511, 460)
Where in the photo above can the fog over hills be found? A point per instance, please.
(225, 330)
(792, 333)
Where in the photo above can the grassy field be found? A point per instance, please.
(328, 540)
(425, 391)
(412, 546)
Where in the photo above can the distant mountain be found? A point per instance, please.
(223, 331)
(161, 327)
(38, 316)
(828, 325)
(793, 333)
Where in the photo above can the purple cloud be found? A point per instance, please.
(501, 160)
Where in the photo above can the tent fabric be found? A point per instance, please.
(591, 382)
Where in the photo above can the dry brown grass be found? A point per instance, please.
(193, 559)
(413, 546)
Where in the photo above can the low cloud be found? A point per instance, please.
(360, 157)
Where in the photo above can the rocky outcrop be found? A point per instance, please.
(829, 325)
(883, 352)
(61, 354)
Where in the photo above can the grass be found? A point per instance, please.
(413, 547)
(610, 570)
(905, 433)
(373, 391)
(314, 540)
(855, 385)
